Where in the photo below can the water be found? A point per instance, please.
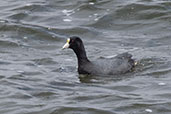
(37, 77)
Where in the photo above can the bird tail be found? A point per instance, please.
(133, 62)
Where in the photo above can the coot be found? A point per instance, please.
(119, 64)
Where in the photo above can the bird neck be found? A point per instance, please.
(81, 55)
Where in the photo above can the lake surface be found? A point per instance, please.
(37, 77)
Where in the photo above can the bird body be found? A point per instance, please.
(119, 64)
(108, 66)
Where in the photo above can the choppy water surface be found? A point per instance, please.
(37, 77)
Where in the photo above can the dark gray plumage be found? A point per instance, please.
(119, 64)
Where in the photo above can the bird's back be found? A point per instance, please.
(119, 64)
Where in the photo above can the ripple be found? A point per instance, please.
(33, 8)
(43, 94)
(1, 76)
(160, 72)
(44, 61)
(68, 12)
(63, 110)
(2, 62)
(132, 16)
(130, 11)
(161, 84)
(148, 110)
(91, 3)
(67, 20)
(9, 44)
(19, 16)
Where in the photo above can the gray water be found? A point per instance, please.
(37, 77)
